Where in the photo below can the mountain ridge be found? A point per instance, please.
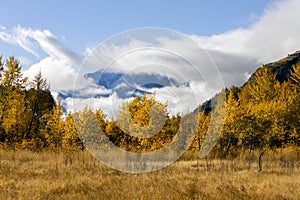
(282, 68)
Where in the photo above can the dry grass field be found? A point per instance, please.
(50, 175)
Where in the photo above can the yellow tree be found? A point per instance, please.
(216, 124)
(295, 107)
(12, 77)
(55, 127)
(12, 108)
(202, 128)
(14, 117)
(89, 129)
(101, 117)
(255, 101)
(70, 139)
(261, 124)
(295, 76)
(141, 119)
(262, 88)
(229, 136)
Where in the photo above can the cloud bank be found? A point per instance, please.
(272, 36)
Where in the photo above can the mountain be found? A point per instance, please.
(133, 84)
(282, 68)
(124, 85)
(127, 85)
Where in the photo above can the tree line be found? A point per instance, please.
(29, 116)
(262, 115)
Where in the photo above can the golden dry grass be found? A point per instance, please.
(49, 175)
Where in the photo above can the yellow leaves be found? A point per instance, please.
(295, 76)
(70, 139)
(262, 113)
(143, 125)
(19, 120)
(13, 115)
(12, 76)
(110, 127)
(142, 117)
(262, 88)
(141, 109)
(101, 117)
(267, 108)
(54, 130)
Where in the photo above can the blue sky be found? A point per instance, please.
(54, 37)
(86, 24)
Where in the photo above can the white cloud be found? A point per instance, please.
(102, 55)
(59, 64)
(59, 73)
(94, 90)
(183, 99)
(272, 36)
(34, 40)
(24, 60)
(109, 105)
(166, 53)
(16, 37)
(236, 53)
(2, 27)
(50, 45)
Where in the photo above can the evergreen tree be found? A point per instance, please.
(39, 102)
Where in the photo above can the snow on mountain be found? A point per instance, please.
(113, 88)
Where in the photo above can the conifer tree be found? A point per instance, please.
(70, 139)
(55, 127)
(12, 108)
(229, 135)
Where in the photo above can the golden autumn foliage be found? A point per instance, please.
(262, 115)
(143, 125)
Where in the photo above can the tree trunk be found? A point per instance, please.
(227, 148)
(260, 159)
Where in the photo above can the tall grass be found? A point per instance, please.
(58, 175)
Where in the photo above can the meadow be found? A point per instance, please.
(63, 175)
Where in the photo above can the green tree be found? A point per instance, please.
(39, 102)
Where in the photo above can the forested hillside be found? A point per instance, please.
(264, 114)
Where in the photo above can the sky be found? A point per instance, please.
(91, 22)
(57, 36)
(80, 25)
